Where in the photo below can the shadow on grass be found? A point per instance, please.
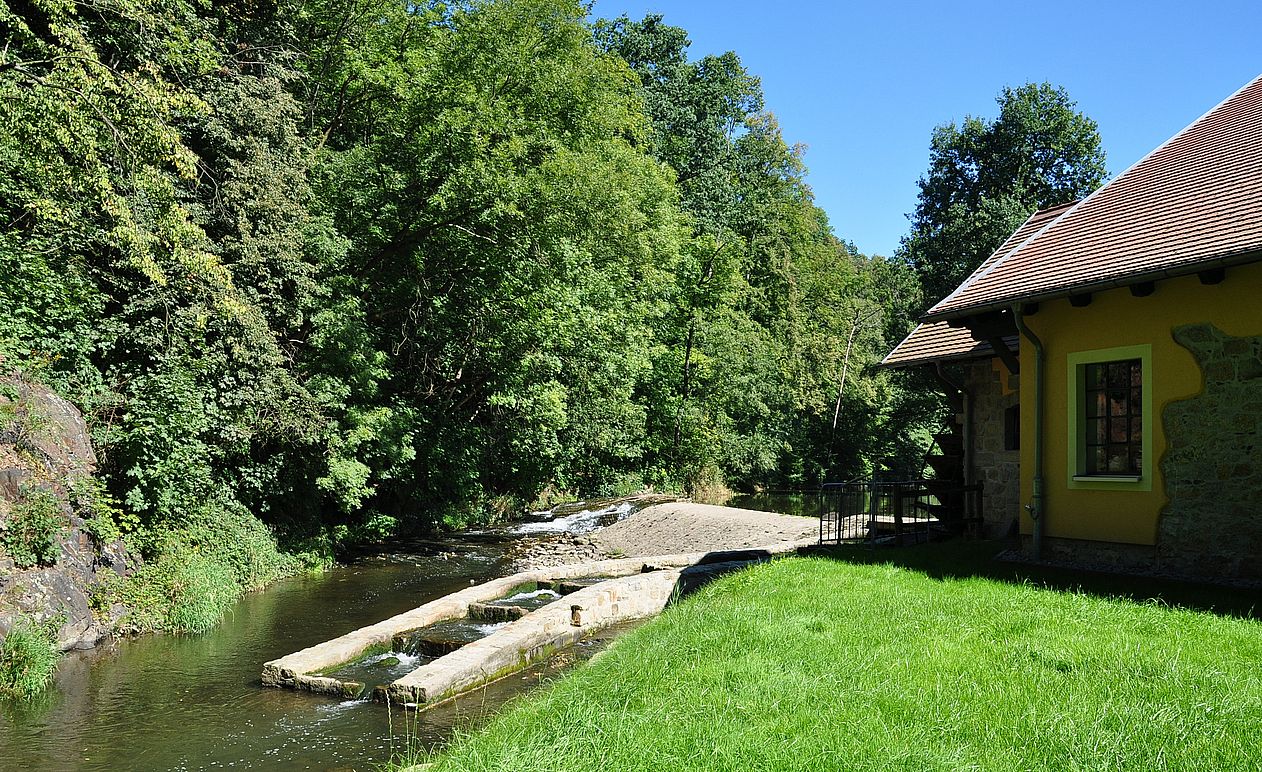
(712, 566)
(962, 559)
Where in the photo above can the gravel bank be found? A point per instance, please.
(683, 526)
(666, 529)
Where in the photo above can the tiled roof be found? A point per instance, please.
(939, 342)
(1193, 203)
(936, 341)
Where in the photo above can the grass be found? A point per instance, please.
(28, 656)
(818, 664)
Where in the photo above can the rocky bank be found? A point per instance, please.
(46, 456)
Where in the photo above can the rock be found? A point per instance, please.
(47, 448)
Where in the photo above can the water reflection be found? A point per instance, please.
(194, 702)
(800, 504)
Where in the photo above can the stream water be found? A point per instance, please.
(194, 702)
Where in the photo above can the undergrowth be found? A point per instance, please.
(195, 572)
(29, 534)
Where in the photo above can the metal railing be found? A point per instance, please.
(897, 512)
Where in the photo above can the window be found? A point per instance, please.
(1012, 428)
(1113, 397)
(1110, 419)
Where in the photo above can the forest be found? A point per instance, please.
(320, 272)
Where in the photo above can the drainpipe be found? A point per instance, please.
(1036, 507)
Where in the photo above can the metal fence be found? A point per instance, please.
(896, 512)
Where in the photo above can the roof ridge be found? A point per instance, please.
(1115, 181)
(984, 269)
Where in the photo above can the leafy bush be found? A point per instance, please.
(28, 655)
(30, 535)
(103, 519)
(196, 571)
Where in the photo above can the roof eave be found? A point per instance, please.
(1221, 261)
(934, 360)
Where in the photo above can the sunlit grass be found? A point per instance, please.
(821, 665)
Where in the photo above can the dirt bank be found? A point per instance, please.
(672, 528)
(683, 526)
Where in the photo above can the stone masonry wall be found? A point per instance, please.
(994, 390)
(1213, 462)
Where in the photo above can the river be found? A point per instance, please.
(194, 702)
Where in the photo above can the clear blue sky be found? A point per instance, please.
(862, 84)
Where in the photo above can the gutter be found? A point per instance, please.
(1036, 507)
(1224, 261)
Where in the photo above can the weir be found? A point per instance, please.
(510, 623)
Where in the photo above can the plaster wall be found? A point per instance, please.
(1131, 512)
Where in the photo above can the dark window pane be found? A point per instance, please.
(1096, 431)
(1117, 403)
(1119, 459)
(1097, 460)
(1113, 428)
(1117, 430)
(1119, 374)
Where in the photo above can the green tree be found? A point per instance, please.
(507, 240)
(986, 177)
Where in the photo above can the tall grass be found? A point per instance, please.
(810, 664)
(28, 656)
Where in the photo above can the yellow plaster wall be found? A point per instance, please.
(1115, 318)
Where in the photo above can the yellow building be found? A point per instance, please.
(1138, 372)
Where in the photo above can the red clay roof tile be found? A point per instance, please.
(939, 342)
(1194, 202)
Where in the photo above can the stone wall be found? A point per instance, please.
(1212, 525)
(994, 390)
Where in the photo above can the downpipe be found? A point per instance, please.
(1036, 507)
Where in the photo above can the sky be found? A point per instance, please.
(862, 84)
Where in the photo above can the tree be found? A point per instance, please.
(986, 177)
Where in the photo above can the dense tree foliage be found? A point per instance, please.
(343, 267)
(986, 177)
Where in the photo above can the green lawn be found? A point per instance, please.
(811, 663)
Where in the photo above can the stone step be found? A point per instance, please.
(493, 612)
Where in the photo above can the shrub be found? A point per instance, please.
(196, 571)
(103, 519)
(30, 535)
(28, 655)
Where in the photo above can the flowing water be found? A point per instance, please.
(194, 702)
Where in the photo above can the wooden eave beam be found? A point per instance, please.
(1212, 275)
(1005, 355)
